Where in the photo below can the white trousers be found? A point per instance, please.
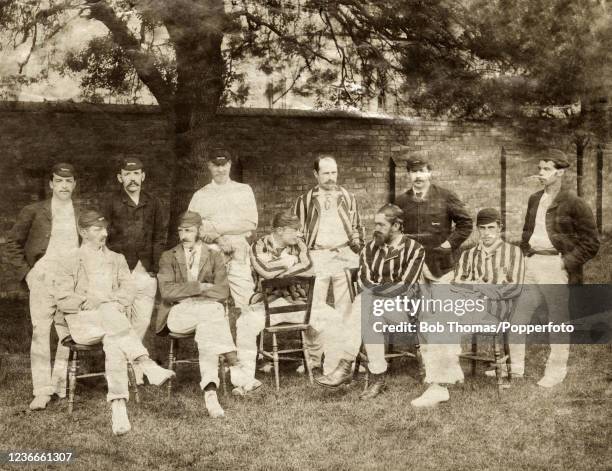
(324, 323)
(545, 282)
(110, 325)
(42, 311)
(212, 333)
(144, 301)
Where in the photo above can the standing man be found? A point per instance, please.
(559, 237)
(193, 286)
(490, 276)
(138, 227)
(94, 292)
(429, 214)
(389, 269)
(330, 223)
(229, 217)
(43, 234)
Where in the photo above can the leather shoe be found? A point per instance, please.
(376, 386)
(343, 373)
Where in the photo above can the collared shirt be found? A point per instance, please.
(539, 239)
(192, 257)
(502, 265)
(308, 208)
(137, 231)
(64, 236)
(226, 203)
(394, 269)
(331, 230)
(271, 261)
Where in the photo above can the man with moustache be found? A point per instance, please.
(43, 234)
(229, 217)
(559, 237)
(330, 223)
(94, 292)
(490, 276)
(137, 229)
(389, 267)
(193, 285)
(281, 253)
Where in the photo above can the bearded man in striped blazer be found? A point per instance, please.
(389, 268)
(331, 226)
(489, 275)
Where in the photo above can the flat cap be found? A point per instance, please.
(63, 169)
(555, 156)
(286, 219)
(219, 156)
(131, 163)
(487, 216)
(417, 163)
(190, 218)
(91, 217)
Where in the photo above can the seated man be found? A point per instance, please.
(193, 285)
(93, 293)
(279, 254)
(389, 267)
(490, 274)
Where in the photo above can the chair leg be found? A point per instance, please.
(73, 367)
(507, 353)
(498, 370)
(357, 363)
(419, 358)
(171, 362)
(223, 376)
(306, 357)
(275, 358)
(132, 381)
(474, 351)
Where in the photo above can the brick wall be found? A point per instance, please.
(276, 149)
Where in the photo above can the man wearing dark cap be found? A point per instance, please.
(138, 228)
(490, 275)
(193, 285)
(94, 293)
(229, 215)
(44, 232)
(559, 237)
(281, 253)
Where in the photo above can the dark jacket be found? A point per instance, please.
(174, 284)
(430, 222)
(28, 239)
(137, 231)
(571, 229)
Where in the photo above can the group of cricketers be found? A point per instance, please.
(95, 275)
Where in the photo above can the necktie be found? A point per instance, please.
(419, 195)
(191, 258)
(328, 201)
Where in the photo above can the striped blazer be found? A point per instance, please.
(391, 271)
(308, 209)
(504, 266)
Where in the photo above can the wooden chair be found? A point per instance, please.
(288, 283)
(351, 278)
(499, 341)
(173, 361)
(76, 350)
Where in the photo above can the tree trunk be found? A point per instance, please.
(200, 69)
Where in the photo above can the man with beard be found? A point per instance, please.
(43, 234)
(559, 237)
(280, 254)
(489, 278)
(389, 269)
(229, 217)
(193, 285)
(94, 292)
(137, 229)
(331, 226)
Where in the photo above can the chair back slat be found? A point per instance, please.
(352, 276)
(290, 282)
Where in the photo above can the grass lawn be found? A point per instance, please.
(307, 427)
